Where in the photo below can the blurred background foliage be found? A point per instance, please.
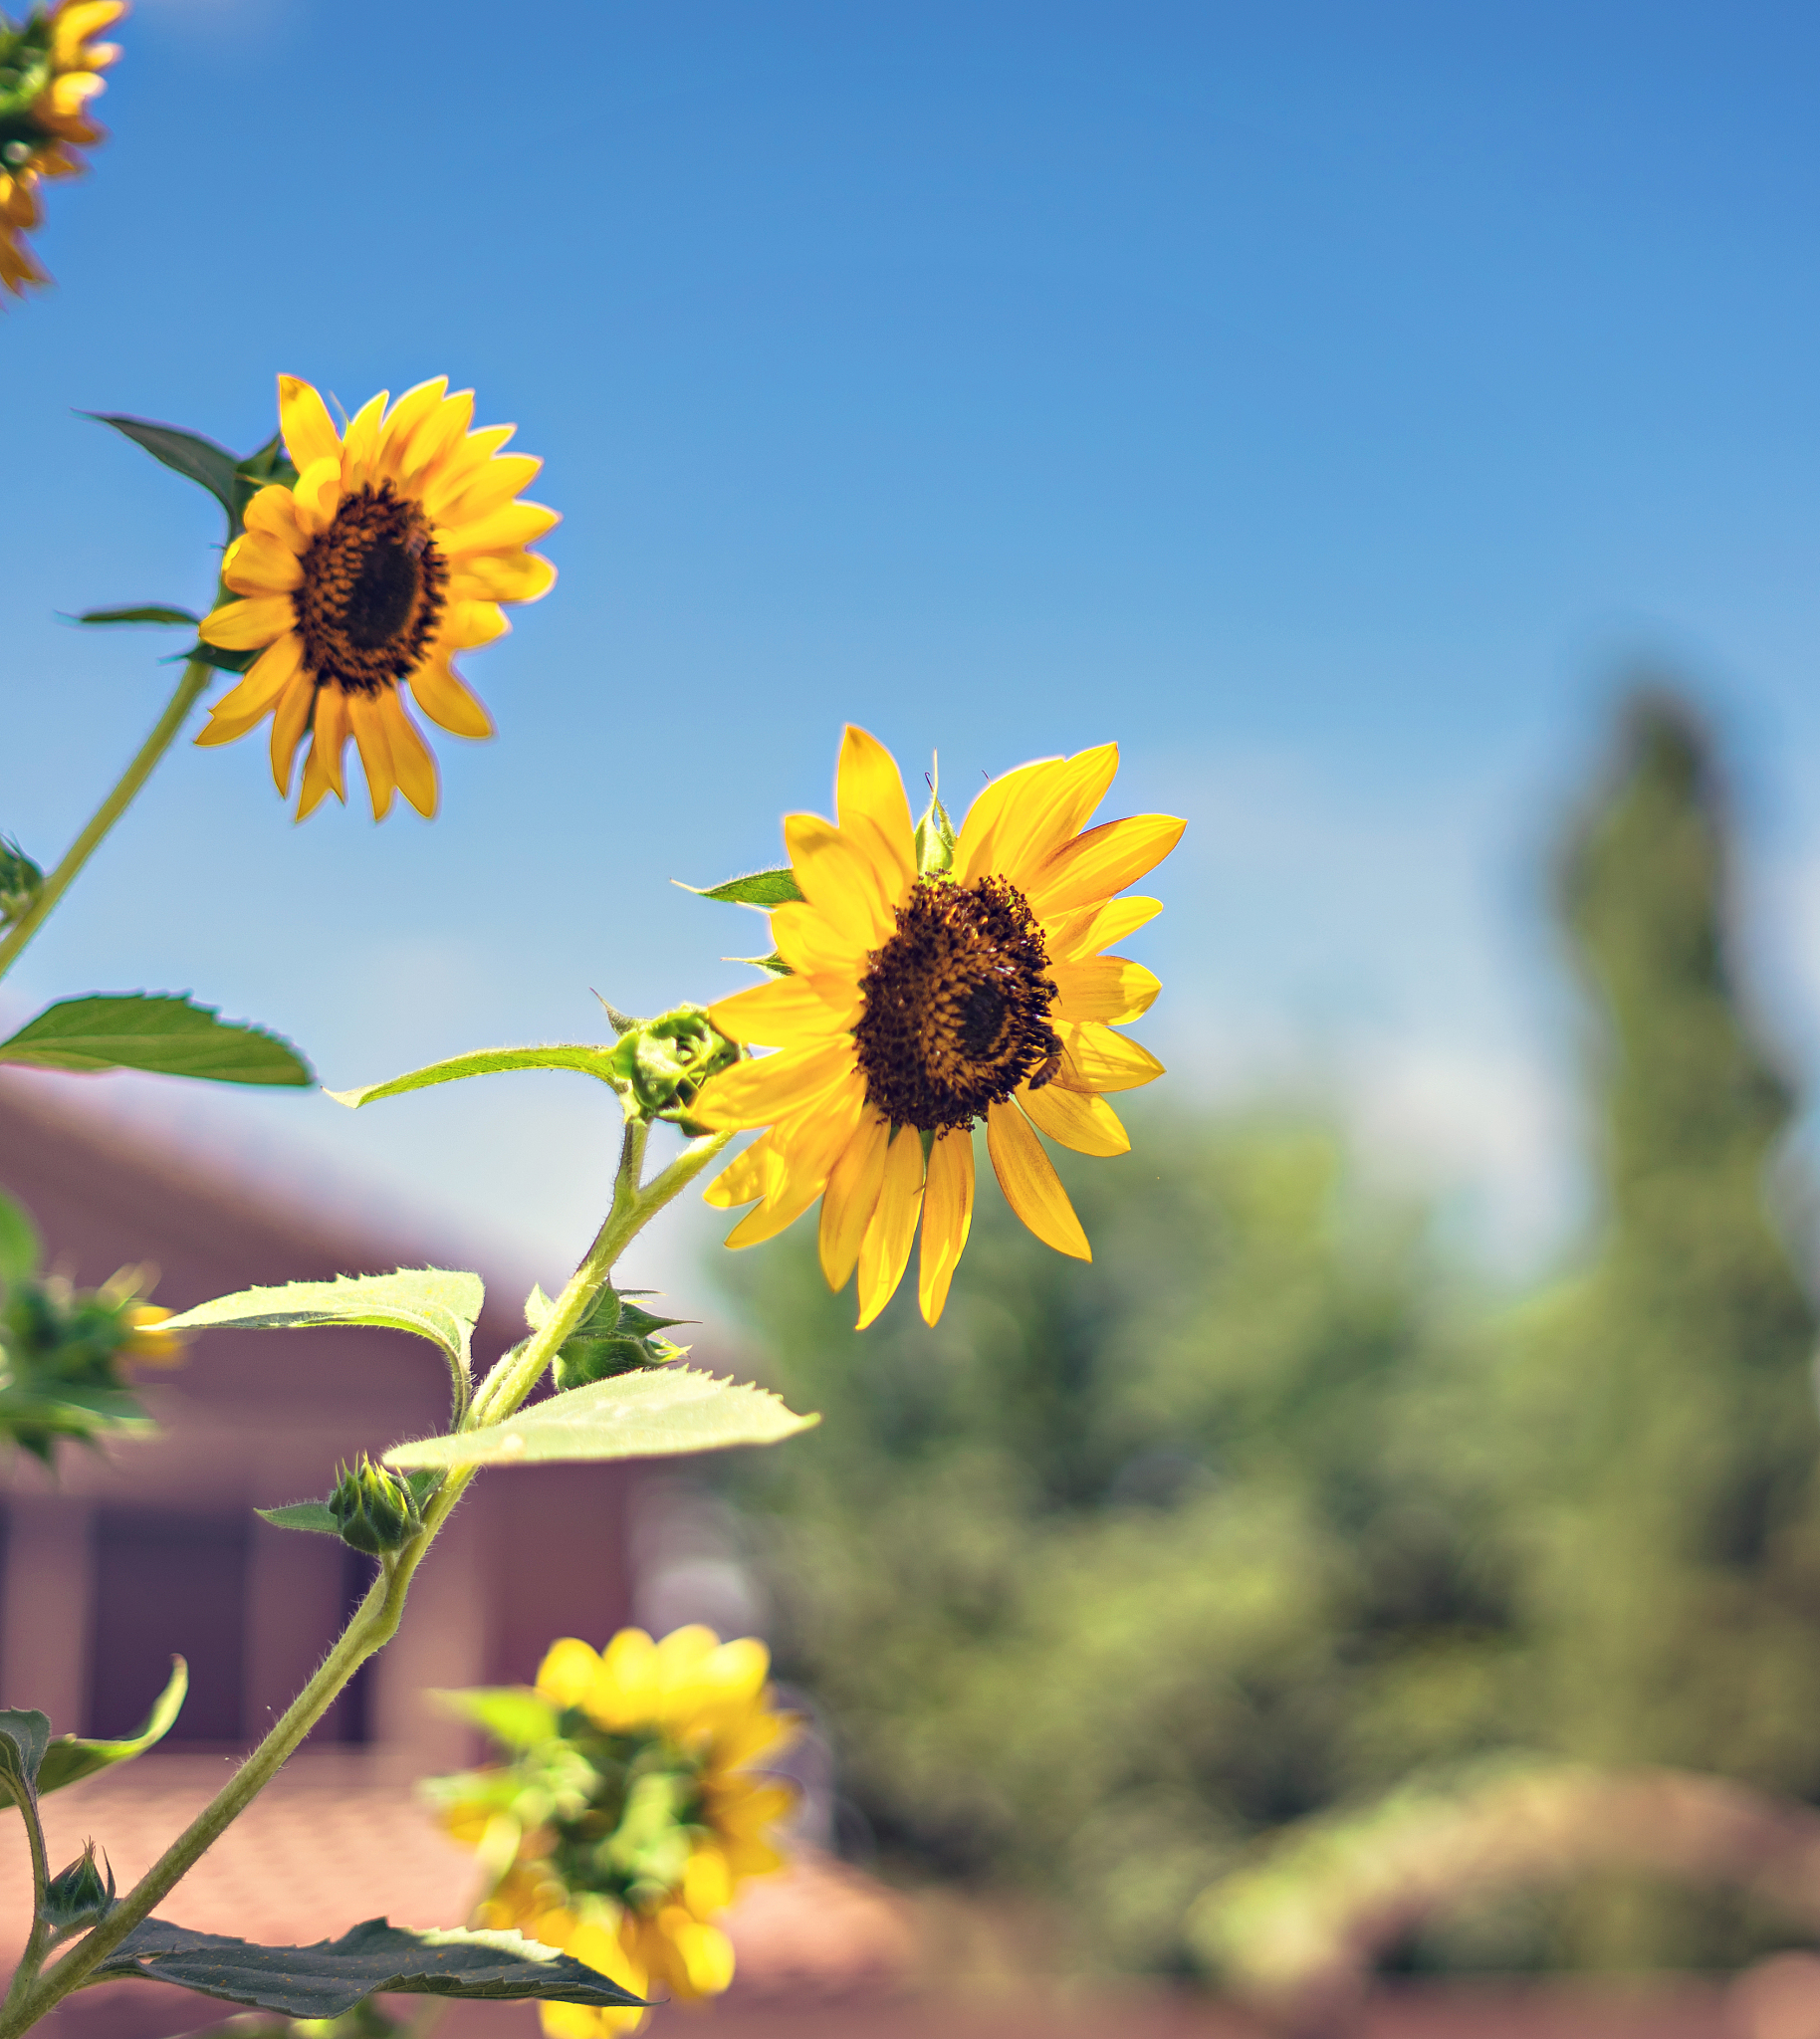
(1273, 1507)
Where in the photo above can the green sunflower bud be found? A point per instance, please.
(79, 1895)
(614, 1338)
(21, 881)
(665, 1061)
(374, 1510)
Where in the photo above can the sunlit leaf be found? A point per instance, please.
(70, 1757)
(591, 1058)
(764, 889)
(196, 459)
(149, 613)
(158, 1031)
(21, 1249)
(654, 1413)
(429, 1302)
(511, 1714)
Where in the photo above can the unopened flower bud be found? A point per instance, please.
(79, 1895)
(375, 1510)
(665, 1061)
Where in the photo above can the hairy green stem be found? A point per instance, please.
(196, 676)
(37, 1941)
(376, 1619)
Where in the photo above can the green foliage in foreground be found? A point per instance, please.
(1126, 1565)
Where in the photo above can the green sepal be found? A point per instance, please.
(149, 613)
(318, 1518)
(21, 1247)
(168, 1033)
(651, 1414)
(21, 881)
(762, 889)
(774, 963)
(511, 1714)
(197, 459)
(25, 1733)
(70, 1757)
(934, 839)
(333, 1975)
(591, 1058)
(213, 654)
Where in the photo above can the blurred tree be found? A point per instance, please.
(1124, 1562)
(1662, 1486)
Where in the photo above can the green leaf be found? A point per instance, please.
(70, 1759)
(652, 1414)
(24, 1736)
(21, 1249)
(159, 1030)
(512, 1714)
(429, 1302)
(589, 1058)
(762, 889)
(774, 963)
(333, 1975)
(198, 460)
(150, 613)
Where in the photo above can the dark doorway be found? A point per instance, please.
(169, 1585)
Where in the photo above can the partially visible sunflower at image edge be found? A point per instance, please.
(49, 70)
(391, 552)
(921, 1000)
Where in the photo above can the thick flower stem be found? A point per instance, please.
(196, 676)
(376, 1619)
(38, 1941)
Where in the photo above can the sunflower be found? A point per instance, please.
(393, 551)
(631, 1815)
(48, 72)
(929, 990)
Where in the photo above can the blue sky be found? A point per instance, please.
(1325, 401)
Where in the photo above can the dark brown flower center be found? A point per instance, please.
(373, 594)
(957, 1005)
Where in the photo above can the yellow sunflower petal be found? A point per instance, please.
(437, 436)
(869, 796)
(1089, 929)
(411, 757)
(512, 525)
(626, 1691)
(248, 625)
(265, 678)
(1031, 1187)
(850, 1198)
(289, 720)
(405, 416)
(567, 1672)
(502, 576)
(745, 1175)
(318, 785)
(374, 744)
(256, 564)
(884, 1253)
(947, 1218)
(330, 725)
(787, 1009)
(1103, 862)
(1110, 989)
(757, 1094)
(1093, 1058)
(838, 878)
(813, 945)
(317, 495)
(1078, 1119)
(470, 625)
(361, 449)
(1044, 824)
(806, 1164)
(273, 512)
(457, 471)
(443, 696)
(973, 857)
(497, 482)
(302, 418)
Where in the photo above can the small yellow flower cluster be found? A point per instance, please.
(691, 1709)
(45, 135)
